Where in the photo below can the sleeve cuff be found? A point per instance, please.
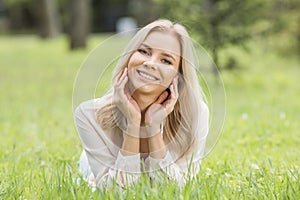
(128, 163)
(161, 163)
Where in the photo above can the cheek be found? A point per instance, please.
(169, 75)
(134, 61)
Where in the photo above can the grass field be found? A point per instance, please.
(257, 157)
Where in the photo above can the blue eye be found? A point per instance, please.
(166, 61)
(143, 51)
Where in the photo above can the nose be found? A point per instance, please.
(151, 64)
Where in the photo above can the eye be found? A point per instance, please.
(143, 51)
(166, 61)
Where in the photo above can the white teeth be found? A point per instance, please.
(147, 76)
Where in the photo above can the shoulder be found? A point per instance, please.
(90, 106)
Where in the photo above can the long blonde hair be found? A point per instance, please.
(184, 118)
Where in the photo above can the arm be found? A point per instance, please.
(126, 168)
(159, 157)
(131, 144)
(157, 147)
(189, 164)
(179, 170)
(156, 115)
(106, 161)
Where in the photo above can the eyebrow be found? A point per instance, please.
(165, 54)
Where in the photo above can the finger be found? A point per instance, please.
(120, 73)
(176, 86)
(162, 97)
(172, 90)
(123, 82)
(170, 103)
(122, 89)
(124, 74)
(119, 88)
(118, 79)
(175, 93)
(171, 96)
(126, 92)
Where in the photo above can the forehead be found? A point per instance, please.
(164, 41)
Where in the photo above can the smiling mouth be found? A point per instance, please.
(147, 76)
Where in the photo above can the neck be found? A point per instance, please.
(144, 100)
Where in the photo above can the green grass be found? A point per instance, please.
(257, 157)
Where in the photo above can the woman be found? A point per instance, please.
(154, 117)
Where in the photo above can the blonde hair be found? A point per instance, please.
(184, 119)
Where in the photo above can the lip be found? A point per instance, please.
(147, 73)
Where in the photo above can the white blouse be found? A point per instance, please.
(102, 156)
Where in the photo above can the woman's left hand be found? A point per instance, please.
(161, 108)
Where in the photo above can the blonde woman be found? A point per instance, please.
(153, 120)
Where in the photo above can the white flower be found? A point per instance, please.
(282, 115)
(254, 166)
(208, 172)
(244, 116)
(287, 124)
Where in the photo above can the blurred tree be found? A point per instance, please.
(48, 18)
(216, 23)
(79, 29)
(144, 11)
(106, 13)
(21, 17)
(284, 26)
(29, 15)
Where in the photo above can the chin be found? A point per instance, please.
(150, 89)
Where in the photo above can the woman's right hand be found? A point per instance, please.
(123, 100)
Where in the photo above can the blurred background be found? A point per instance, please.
(254, 43)
(215, 23)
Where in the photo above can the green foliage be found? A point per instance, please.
(216, 23)
(15, 2)
(284, 22)
(257, 156)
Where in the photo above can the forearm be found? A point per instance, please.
(157, 146)
(131, 142)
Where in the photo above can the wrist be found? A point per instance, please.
(154, 129)
(157, 146)
(132, 130)
(131, 145)
(134, 122)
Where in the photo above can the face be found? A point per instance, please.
(153, 66)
